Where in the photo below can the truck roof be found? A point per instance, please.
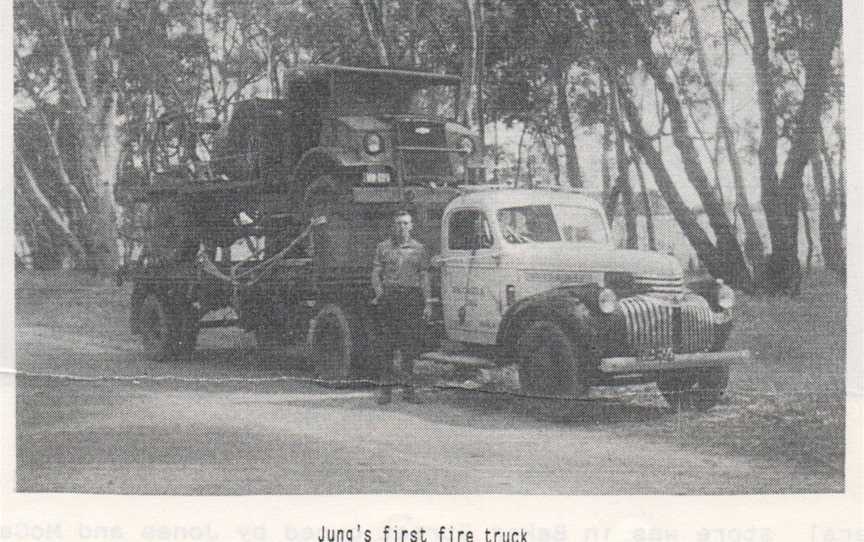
(517, 197)
(317, 72)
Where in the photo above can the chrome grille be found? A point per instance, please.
(655, 323)
(659, 285)
(417, 163)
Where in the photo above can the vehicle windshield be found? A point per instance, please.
(551, 223)
(377, 95)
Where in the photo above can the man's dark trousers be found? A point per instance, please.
(401, 316)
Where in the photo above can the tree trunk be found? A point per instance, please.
(469, 64)
(551, 155)
(753, 242)
(830, 233)
(519, 156)
(841, 181)
(817, 69)
(646, 201)
(733, 268)
(59, 222)
(711, 258)
(808, 234)
(374, 30)
(574, 176)
(94, 103)
(768, 128)
(607, 143)
(623, 180)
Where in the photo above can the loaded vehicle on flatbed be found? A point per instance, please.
(279, 224)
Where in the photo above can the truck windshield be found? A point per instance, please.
(376, 95)
(551, 223)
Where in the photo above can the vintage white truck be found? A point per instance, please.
(532, 277)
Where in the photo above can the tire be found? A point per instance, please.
(159, 335)
(341, 344)
(699, 389)
(548, 361)
(319, 195)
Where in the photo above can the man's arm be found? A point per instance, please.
(426, 284)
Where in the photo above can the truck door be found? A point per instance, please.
(470, 292)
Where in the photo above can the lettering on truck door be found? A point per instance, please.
(470, 289)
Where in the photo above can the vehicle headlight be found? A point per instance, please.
(467, 145)
(373, 143)
(725, 296)
(607, 301)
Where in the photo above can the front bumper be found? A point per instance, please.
(673, 361)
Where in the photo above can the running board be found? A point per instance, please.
(458, 359)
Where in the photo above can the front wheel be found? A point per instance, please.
(548, 361)
(698, 389)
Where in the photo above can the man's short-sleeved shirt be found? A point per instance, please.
(401, 265)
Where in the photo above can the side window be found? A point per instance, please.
(469, 230)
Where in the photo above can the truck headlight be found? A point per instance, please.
(467, 145)
(607, 301)
(373, 143)
(725, 296)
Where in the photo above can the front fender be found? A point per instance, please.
(326, 159)
(570, 306)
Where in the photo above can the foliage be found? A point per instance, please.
(550, 67)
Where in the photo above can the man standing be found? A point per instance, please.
(400, 277)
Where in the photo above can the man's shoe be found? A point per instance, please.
(409, 395)
(385, 395)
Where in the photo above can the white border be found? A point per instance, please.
(574, 519)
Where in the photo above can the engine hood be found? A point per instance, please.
(586, 257)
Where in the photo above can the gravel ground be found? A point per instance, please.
(267, 429)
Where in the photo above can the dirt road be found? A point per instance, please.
(229, 421)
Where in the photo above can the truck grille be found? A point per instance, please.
(655, 324)
(418, 163)
(659, 285)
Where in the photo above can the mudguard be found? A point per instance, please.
(570, 306)
(325, 160)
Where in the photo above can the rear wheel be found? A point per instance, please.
(341, 344)
(548, 361)
(699, 389)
